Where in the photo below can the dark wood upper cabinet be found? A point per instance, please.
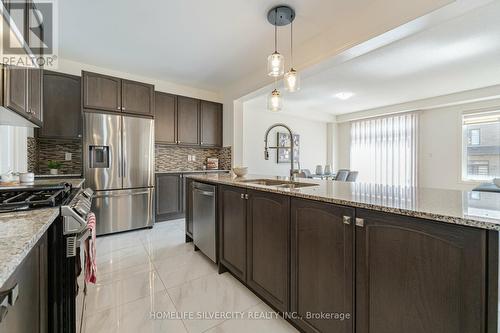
(62, 106)
(187, 121)
(16, 89)
(418, 276)
(321, 264)
(211, 124)
(233, 230)
(165, 118)
(169, 196)
(137, 98)
(101, 92)
(35, 92)
(268, 238)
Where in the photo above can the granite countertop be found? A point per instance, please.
(75, 182)
(19, 232)
(475, 209)
(192, 171)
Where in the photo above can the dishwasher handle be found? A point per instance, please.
(206, 193)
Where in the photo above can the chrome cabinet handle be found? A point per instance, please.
(360, 222)
(246, 196)
(346, 219)
(118, 108)
(242, 196)
(123, 109)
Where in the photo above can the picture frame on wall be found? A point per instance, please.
(283, 155)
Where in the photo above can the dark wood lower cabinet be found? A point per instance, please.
(268, 241)
(418, 276)
(169, 196)
(29, 281)
(233, 230)
(322, 266)
(341, 269)
(188, 199)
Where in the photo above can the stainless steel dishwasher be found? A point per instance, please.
(204, 219)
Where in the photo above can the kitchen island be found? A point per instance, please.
(344, 257)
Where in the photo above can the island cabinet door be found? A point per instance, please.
(418, 276)
(268, 239)
(233, 229)
(322, 266)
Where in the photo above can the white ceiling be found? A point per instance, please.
(456, 55)
(210, 44)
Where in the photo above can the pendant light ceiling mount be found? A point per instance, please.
(281, 15)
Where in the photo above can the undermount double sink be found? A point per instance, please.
(278, 183)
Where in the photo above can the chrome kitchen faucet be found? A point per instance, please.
(266, 148)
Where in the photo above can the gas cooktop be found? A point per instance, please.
(34, 197)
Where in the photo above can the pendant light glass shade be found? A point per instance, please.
(292, 80)
(275, 101)
(275, 64)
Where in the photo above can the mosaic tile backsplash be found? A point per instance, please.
(171, 158)
(40, 151)
(167, 158)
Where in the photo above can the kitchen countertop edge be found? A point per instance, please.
(472, 221)
(14, 251)
(191, 171)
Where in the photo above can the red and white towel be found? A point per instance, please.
(90, 251)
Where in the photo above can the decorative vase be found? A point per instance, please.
(54, 171)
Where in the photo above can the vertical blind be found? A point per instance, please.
(384, 149)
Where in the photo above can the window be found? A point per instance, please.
(481, 146)
(384, 149)
(475, 136)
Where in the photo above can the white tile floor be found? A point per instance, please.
(154, 272)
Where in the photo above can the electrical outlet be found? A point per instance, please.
(193, 158)
(189, 158)
(67, 156)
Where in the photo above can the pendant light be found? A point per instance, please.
(279, 16)
(275, 62)
(275, 101)
(292, 78)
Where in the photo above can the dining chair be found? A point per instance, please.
(342, 175)
(307, 173)
(353, 175)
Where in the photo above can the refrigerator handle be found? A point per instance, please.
(119, 170)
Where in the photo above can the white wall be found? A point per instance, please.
(313, 141)
(13, 149)
(440, 145)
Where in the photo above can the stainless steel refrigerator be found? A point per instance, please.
(118, 165)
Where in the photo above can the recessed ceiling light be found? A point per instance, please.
(344, 95)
